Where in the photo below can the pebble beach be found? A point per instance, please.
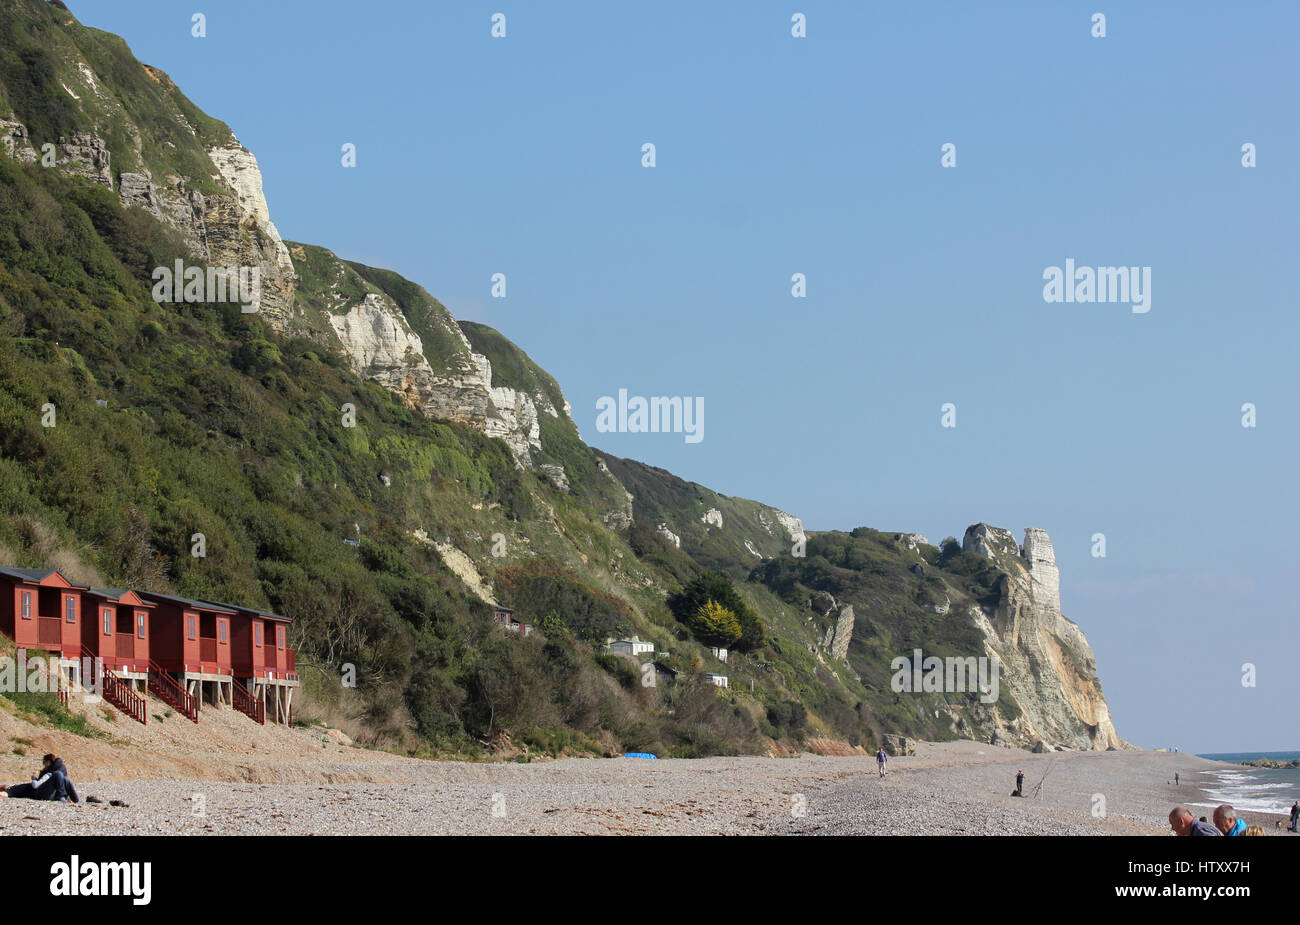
(954, 788)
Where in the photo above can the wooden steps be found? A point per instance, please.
(165, 688)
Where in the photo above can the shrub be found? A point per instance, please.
(543, 588)
(715, 624)
(717, 588)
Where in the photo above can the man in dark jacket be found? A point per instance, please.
(1183, 822)
(52, 783)
(1295, 814)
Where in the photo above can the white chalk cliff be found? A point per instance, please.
(235, 228)
(1046, 663)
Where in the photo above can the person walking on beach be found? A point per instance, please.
(1020, 783)
(1183, 822)
(1175, 778)
(1295, 814)
(881, 758)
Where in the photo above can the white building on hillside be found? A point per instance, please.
(633, 645)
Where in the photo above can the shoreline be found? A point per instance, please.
(1206, 786)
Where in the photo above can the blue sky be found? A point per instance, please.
(822, 156)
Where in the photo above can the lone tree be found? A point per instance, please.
(717, 587)
(715, 624)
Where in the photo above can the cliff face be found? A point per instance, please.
(191, 173)
(233, 228)
(1047, 664)
(836, 606)
(228, 227)
(381, 345)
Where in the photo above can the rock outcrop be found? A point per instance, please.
(13, 136)
(1045, 580)
(836, 640)
(620, 518)
(232, 229)
(184, 209)
(439, 374)
(381, 345)
(515, 422)
(898, 745)
(913, 541)
(992, 543)
(239, 232)
(1046, 663)
(939, 607)
(555, 474)
(823, 602)
(792, 525)
(239, 168)
(85, 155)
(81, 154)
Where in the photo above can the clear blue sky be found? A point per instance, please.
(821, 155)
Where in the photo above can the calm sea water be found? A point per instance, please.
(1262, 790)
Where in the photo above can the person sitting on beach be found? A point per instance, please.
(1183, 822)
(52, 783)
(1226, 821)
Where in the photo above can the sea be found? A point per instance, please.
(1261, 790)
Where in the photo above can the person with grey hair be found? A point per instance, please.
(1183, 822)
(1226, 821)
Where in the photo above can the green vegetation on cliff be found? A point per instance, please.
(193, 448)
(147, 123)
